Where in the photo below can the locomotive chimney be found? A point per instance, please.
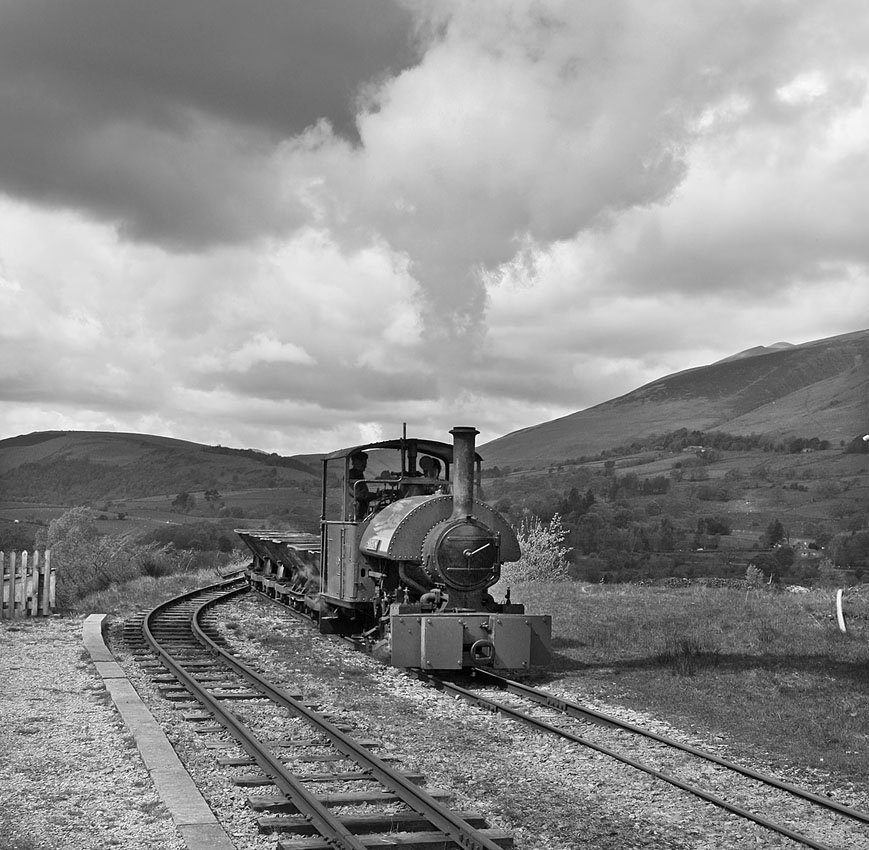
(463, 470)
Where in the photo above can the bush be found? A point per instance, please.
(201, 536)
(184, 503)
(784, 557)
(155, 563)
(754, 576)
(88, 562)
(544, 555)
(713, 525)
(853, 550)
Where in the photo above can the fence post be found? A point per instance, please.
(13, 576)
(22, 584)
(2, 585)
(34, 585)
(48, 607)
(43, 585)
(26, 574)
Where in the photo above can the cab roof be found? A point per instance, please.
(442, 451)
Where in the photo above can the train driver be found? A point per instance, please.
(431, 467)
(360, 496)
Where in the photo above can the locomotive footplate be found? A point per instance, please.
(451, 641)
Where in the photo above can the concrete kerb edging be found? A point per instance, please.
(193, 818)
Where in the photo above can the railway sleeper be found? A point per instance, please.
(284, 743)
(183, 695)
(282, 803)
(248, 761)
(257, 780)
(168, 684)
(318, 742)
(362, 824)
(202, 675)
(238, 695)
(407, 841)
(327, 757)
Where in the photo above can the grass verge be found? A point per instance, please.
(143, 593)
(766, 670)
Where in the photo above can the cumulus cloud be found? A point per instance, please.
(262, 349)
(160, 117)
(268, 332)
(292, 214)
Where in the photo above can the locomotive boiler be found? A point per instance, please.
(405, 559)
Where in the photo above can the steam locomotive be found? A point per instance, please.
(405, 559)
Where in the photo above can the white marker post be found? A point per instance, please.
(840, 616)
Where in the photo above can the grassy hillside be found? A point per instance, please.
(133, 482)
(816, 389)
(76, 466)
(681, 509)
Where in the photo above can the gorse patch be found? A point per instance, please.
(544, 555)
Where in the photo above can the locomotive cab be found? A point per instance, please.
(359, 483)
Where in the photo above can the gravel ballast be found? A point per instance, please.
(70, 773)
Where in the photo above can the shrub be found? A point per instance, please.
(544, 555)
(853, 550)
(713, 525)
(754, 576)
(156, 563)
(184, 502)
(89, 562)
(86, 561)
(201, 536)
(784, 557)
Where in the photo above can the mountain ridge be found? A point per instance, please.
(818, 388)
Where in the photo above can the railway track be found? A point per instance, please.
(549, 714)
(331, 791)
(546, 713)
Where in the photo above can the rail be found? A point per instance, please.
(182, 616)
(570, 709)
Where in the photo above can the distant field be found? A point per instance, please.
(287, 507)
(768, 670)
(26, 519)
(24, 511)
(291, 505)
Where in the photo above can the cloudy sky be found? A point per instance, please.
(294, 225)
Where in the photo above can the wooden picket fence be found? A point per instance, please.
(28, 581)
